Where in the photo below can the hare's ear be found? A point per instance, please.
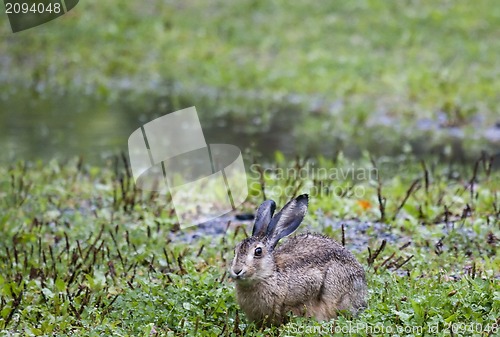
(263, 218)
(287, 220)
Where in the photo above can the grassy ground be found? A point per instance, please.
(84, 253)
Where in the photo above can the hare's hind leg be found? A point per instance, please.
(322, 311)
(360, 292)
(329, 296)
(354, 297)
(341, 291)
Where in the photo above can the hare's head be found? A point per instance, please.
(253, 257)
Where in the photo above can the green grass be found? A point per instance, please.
(353, 67)
(84, 253)
(420, 57)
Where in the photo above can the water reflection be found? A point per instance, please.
(63, 127)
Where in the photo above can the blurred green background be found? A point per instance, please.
(302, 77)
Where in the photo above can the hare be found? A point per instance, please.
(310, 274)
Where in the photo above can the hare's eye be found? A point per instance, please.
(258, 251)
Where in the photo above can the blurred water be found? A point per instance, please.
(43, 127)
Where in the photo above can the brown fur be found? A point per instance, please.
(309, 275)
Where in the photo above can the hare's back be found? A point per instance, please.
(312, 250)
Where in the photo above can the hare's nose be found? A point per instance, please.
(237, 272)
